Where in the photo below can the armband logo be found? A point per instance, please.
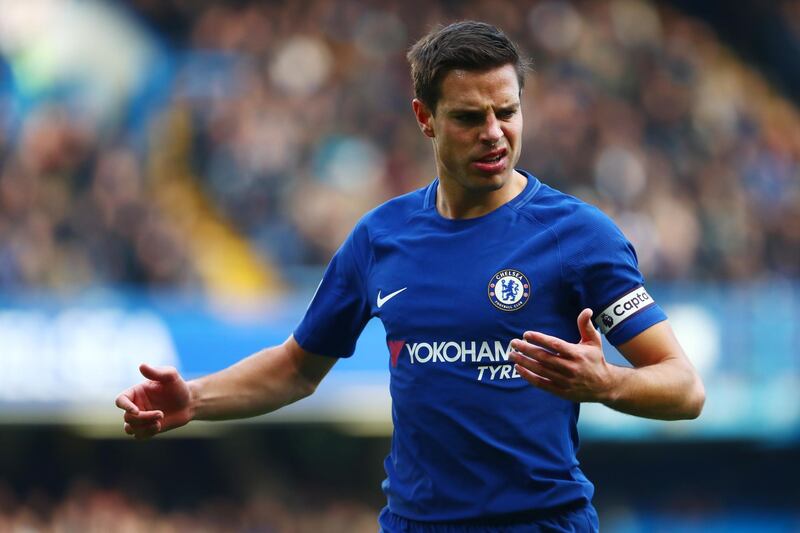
(509, 290)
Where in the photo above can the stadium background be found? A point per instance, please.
(175, 174)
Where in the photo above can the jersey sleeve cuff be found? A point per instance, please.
(306, 342)
(636, 324)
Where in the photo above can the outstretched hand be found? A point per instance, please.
(159, 404)
(577, 372)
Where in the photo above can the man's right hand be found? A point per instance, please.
(161, 403)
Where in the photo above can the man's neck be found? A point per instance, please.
(455, 202)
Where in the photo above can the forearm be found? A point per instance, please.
(263, 382)
(668, 390)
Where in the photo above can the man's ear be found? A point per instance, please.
(424, 117)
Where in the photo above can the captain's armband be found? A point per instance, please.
(622, 309)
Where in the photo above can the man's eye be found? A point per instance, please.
(507, 114)
(470, 118)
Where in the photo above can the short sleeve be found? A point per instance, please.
(339, 309)
(607, 279)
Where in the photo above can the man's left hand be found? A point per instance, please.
(577, 372)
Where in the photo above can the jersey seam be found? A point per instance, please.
(373, 236)
(382, 232)
(547, 227)
(362, 269)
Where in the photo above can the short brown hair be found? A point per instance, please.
(467, 45)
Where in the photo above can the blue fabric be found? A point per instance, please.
(581, 520)
(471, 438)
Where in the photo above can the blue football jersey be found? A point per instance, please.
(471, 437)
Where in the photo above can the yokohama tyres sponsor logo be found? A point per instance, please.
(622, 309)
(489, 359)
(457, 351)
(395, 347)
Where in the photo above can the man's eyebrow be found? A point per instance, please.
(466, 108)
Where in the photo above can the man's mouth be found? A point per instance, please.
(492, 163)
(493, 157)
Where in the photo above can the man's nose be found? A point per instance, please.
(492, 132)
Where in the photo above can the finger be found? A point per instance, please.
(546, 358)
(589, 333)
(164, 374)
(144, 432)
(124, 402)
(538, 381)
(548, 342)
(554, 376)
(143, 417)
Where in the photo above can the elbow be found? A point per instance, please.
(301, 387)
(303, 374)
(306, 388)
(696, 398)
(305, 384)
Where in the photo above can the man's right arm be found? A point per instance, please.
(263, 382)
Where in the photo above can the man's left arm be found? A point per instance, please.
(662, 384)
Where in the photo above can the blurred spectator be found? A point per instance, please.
(73, 213)
(298, 121)
(91, 509)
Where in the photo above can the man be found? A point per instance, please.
(478, 279)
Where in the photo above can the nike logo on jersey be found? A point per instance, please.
(388, 297)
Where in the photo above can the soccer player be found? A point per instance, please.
(490, 286)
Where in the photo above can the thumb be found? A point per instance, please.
(164, 374)
(588, 332)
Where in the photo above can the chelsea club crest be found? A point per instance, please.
(509, 290)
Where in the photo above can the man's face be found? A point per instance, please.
(477, 128)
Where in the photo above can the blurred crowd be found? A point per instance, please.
(87, 508)
(291, 119)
